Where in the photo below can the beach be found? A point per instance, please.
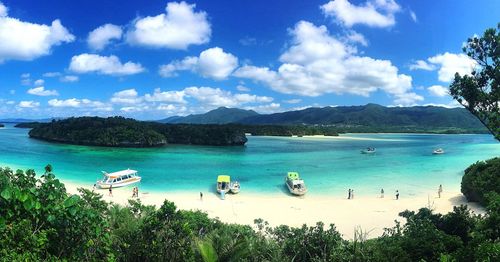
(371, 214)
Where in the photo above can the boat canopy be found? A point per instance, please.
(297, 182)
(293, 175)
(120, 173)
(224, 178)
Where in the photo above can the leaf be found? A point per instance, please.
(71, 201)
(6, 193)
(51, 218)
(28, 204)
(72, 211)
(38, 205)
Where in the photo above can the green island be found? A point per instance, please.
(39, 220)
(27, 125)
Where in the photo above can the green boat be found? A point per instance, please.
(295, 184)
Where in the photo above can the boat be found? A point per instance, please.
(438, 151)
(118, 179)
(368, 150)
(234, 187)
(223, 183)
(295, 184)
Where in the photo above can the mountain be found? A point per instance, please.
(23, 120)
(366, 118)
(221, 115)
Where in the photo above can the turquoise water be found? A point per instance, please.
(329, 166)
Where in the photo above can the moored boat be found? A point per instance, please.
(234, 187)
(295, 184)
(438, 151)
(223, 183)
(119, 179)
(368, 150)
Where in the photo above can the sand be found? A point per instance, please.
(371, 214)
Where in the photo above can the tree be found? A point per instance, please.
(480, 92)
(48, 168)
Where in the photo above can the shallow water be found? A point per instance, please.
(328, 165)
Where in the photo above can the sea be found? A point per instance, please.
(329, 165)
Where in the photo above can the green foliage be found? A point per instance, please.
(40, 221)
(480, 92)
(480, 179)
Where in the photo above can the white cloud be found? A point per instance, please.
(108, 65)
(213, 63)
(413, 16)
(10, 102)
(26, 41)
(102, 36)
(374, 13)
(128, 96)
(356, 37)
(29, 104)
(293, 101)
(26, 79)
(437, 90)
(12, 92)
(449, 64)
(69, 78)
(408, 99)
(51, 74)
(166, 96)
(79, 103)
(40, 91)
(422, 65)
(216, 97)
(265, 109)
(39, 82)
(242, 88)
(178, 28)
(317, 63)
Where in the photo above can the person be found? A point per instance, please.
(110, 190)
(201, 196)
(440, 190)
(93, 188)
(397, 194)
(136, 191)
(349, 194)
(352, 193)
(382, 193)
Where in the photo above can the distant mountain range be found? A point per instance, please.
(24, 120)
(357, 118)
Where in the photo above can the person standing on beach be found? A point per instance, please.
(93, 188)
(352, 193)
(110, 190)
(201, 196)
(349, 194)
(440, 190)
(382, 193)
(397, 194)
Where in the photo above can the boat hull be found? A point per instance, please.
(295, 191)
(120, 184)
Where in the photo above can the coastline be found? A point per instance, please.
(371, 214)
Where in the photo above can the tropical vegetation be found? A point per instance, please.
(39, 221)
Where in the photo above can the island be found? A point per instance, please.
(1, 125)
(127, 132)
(27, 124)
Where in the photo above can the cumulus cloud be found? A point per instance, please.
(29, 104)
(265, 109)
(422, 65)
(373, 13)
(449, 64)
(39, 82)
(357, 38)
(216, 97)
(165, 96)
(437, 90)
(179, 27)
(293, 101)
(128, 96)
(51, 74)
(242, 88)
(212, 63)
(69, 78)
(108, 65)
(26, 41)
(79, 103)
(102, 36)
(41, 91)
(316, 63)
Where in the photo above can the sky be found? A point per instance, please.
(154, 59)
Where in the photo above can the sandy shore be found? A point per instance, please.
(372, 214)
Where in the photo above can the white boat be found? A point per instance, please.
(119, 179)
(295, 184)
(438, 151)
(368, 150)
(223, 183)
(234, 187)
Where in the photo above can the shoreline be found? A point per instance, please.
(371, 214)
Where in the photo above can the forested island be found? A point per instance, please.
(28, 124)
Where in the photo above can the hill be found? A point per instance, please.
(367, 118)
(221, 115)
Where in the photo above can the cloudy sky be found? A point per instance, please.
(153, 59)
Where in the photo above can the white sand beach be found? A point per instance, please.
(372, 214)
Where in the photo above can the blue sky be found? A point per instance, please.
(154, 59)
